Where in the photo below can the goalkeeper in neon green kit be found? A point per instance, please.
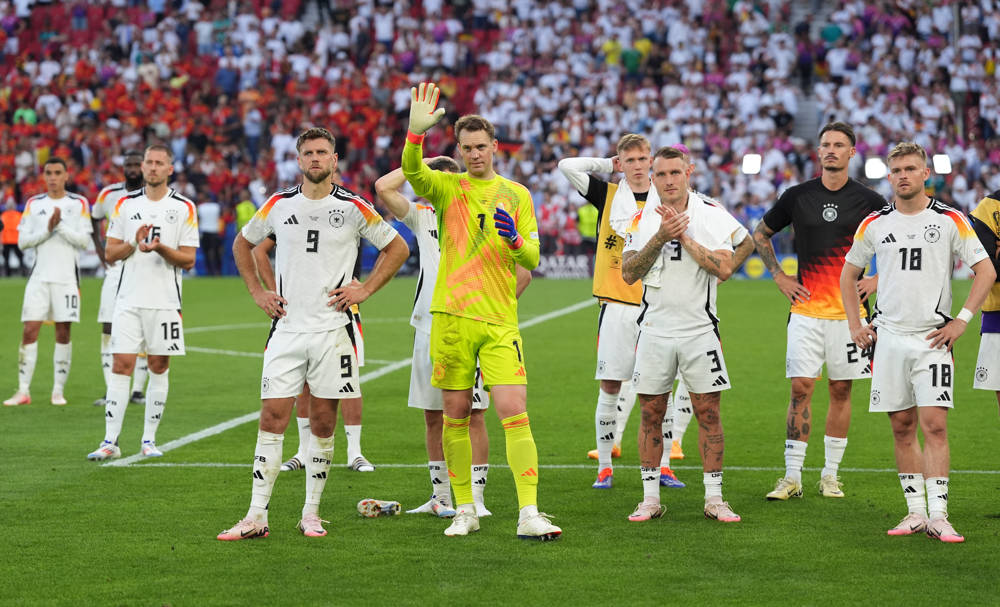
(486, 226)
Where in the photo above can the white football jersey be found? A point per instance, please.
(102, 208)
(422, 219)
(56, 252)
(915, 255)
(318, 246)
(684, 303)
(147, 280)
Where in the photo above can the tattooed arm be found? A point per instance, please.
(788, 285)
(635, 264)
(717, 263)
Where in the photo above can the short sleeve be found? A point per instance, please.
(189, 231)
(780, 215)
(863, 248)
(258, 228)
(965, 243)
(376, 230)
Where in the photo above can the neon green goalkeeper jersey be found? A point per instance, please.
(476, 276)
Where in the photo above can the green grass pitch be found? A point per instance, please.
(78, 533)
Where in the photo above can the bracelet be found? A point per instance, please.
(414, 138)
(965, 315)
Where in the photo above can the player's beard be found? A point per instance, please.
(908, 197)
(323, 176)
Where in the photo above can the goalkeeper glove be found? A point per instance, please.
(423, 100)
(504, 224)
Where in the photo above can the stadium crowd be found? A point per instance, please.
(228, 85)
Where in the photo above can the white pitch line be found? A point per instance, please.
(237, 421)
(232, 423)
(211, 328)
(264, 325)
(226, 352)
(562, 467)
(373, 361)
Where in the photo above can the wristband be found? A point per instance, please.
(965, 315)
(414, 138)
(132, 242)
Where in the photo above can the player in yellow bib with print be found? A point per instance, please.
(486, 227)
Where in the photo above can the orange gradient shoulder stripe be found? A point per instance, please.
(192, 217)
(266, 209)
(864, 225)
(370, 214)
(964, 227)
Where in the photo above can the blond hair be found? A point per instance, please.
(630, 141)
(907, 148)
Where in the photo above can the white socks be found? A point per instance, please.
(913, 491)
(834, 450)
(713, 486)
(626, 400)
(317, 465)
(353, 434)
(650, 484)
(305, 435)
(667, 429)
(27, 356)
(156, 398)
(115, 405)
(440, 483)
(605, 424)
(62, 356)
(266, 463)
(682, 412)
(937, 497)
(479, 482)
(140, 374)
(795, 456)
(107, 359)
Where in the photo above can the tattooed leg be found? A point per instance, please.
(799, 413)
(710, 437)
(651, 430)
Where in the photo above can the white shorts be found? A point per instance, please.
(109, 291)
(815, 341)
(147, 331)
(699, 359)
(988, 363)
(425, 396)
(326, 360)
(617, 332)
(50, 301)
(908, 373)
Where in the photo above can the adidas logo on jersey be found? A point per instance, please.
(719, 381)
(137, 216)
(347, 389)
(945, 397)
(910, 490)
(889, 239)
(608, 436)
(291, 221)
(174, 348)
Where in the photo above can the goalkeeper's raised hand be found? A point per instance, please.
(423, 101)
(504, 224)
